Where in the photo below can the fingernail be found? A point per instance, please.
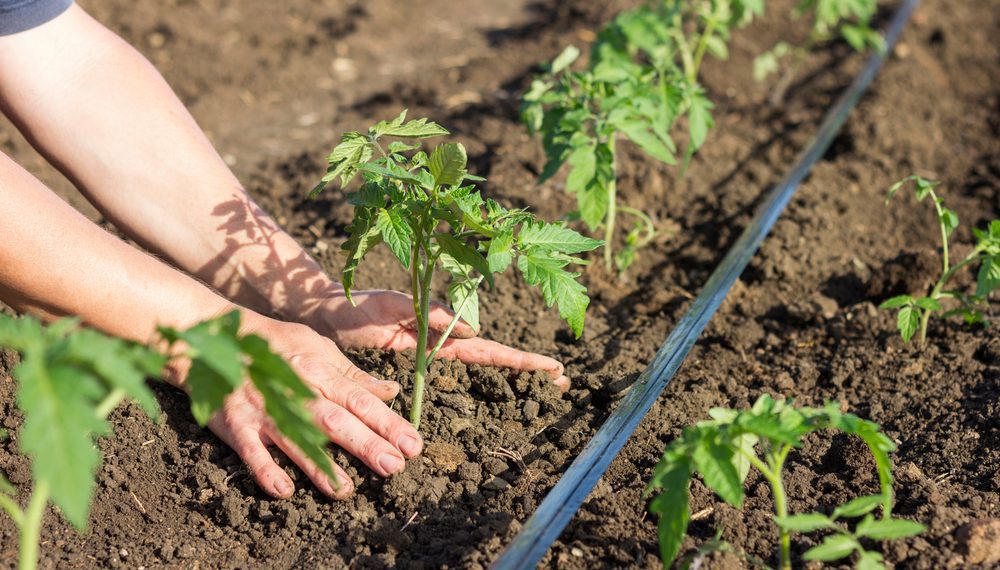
(390, 463)
(284, 488)
(408, 445)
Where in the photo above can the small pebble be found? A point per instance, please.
(531, 409)
(496, 484)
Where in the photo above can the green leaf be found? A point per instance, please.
(888, 529)
(897, 302)
(715, 463)
(464, 296)
(396, 233)
(447, 164)
(745, 442)
(354, 150)
(500, 253)
(988, 278)
(564, 59)
(834, 547)
(672, 507)
(59, 426)
(593, 204)
(416, 129)
(464, 254)
(583, 166)
(868, 560)
(639, 133)
(807, 522)
(216, 362)
(949, 220)
(364, 235)
(928, 304)
(558, 286)
(285, 400)
(857, 507)
(699, 120)
(555, 237)
(120, 364)
(908, 321)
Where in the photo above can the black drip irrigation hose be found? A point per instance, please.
(562, 502)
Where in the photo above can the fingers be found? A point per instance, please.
(271, 478)
(344, 486)
(355, 437)
(373, 413)
(321, 367)
(490, 353)
(441, 316)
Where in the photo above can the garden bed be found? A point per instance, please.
(801, 321)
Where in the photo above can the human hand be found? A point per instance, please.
(386, 320)
(349, 407)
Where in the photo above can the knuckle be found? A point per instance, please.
(371, 447)
(333, 418)
(360, 402)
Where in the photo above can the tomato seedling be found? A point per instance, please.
(914, 312)
(71, 378)
(847, 19)
(424, 209)
(641, 80)
(724, 450)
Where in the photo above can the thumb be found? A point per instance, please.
(441, 316)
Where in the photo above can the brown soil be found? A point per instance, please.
(275, 83)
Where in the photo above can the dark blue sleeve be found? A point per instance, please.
(19, 15)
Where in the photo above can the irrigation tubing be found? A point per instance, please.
(562, 502)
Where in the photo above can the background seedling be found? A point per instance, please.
(71, 378)
(724, 449)
(915, 312)
(847, 19)
(642, 79)
(422, 207)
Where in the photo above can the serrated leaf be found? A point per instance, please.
(807, 522)
(888, 529)
(593, 204)
(583, 166)
(464, 254)
(59, 427)
(285, 400)
(897, 302)
(857, 507)
(558, 286)
(699, 120)
(715, 463)
(216, 362)
(868, 560)
(354, 150)
(745, 442)
(416, 129)
(464, 297)
(396, 234)
(833, 547)
(500, 253)
(988, 278)
(908, 321)
(671, 505)
(121, 364)
(555, 237)
(363, 235)
(645, 139)
(928, 304)
(949, 219)
(447, 164)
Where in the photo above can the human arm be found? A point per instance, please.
(97, 109)
(54, 262)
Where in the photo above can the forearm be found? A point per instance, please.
(99, 111)
(54, 262)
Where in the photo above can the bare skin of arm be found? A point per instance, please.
(106, 118)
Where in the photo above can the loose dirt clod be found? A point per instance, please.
(444, 455)
(980, 541)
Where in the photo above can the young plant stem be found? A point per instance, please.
(31, 526)
(609, 225)
(454, 321)
(699, 53)
(772, 472)
(421, 306)
(109, 403)
(935, 294)
(646, 220)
